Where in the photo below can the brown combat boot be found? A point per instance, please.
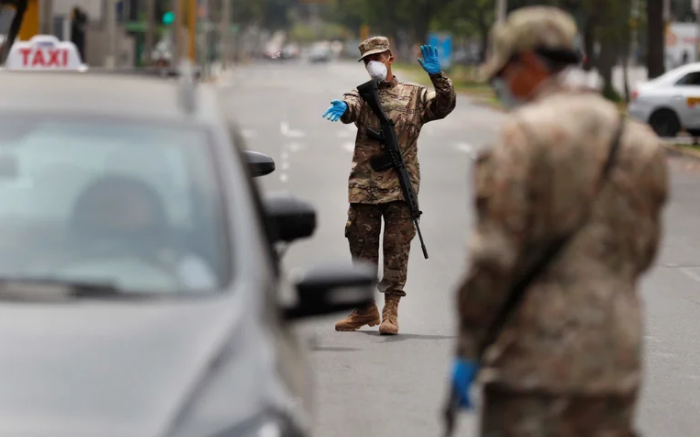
(368, 315)
(390, 315)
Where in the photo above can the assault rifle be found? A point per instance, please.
(391, 156)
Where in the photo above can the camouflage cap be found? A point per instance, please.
(528, 28)
(370, 46)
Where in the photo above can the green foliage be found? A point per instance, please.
(304, 33)
(248, 11)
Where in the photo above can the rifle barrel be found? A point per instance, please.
(420, 236)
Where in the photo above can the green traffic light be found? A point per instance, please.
(168, 18)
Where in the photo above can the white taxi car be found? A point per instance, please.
(670, 102)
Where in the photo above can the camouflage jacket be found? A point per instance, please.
(410, 107)
(579, 327)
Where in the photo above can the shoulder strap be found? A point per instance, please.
(519, 287)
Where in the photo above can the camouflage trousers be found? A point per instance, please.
(509, 414)
(363, 231)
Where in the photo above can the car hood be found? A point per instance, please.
(103, 369)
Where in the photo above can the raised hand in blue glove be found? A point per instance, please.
(430, 61)
(463, 374)
(336, 110)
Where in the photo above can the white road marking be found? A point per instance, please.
(665, 355)
(284, 155)
(349, 147)
(289, 133)
(295, 147)
(285, 165)
(691, 274)
(284, 177)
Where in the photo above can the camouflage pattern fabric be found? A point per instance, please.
(370, 46)
(511, 414)
(579, 327)
(363, 229)
(410, 107)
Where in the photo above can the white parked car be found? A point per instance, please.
(670, 102)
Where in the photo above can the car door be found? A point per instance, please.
(686, 100)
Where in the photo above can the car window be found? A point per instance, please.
(690, 79)
(131, 204)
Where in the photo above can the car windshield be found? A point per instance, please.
(129, 204)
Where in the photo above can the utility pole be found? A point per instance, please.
(150, 36)
(225, 31)
(111, 26)
(501, 10)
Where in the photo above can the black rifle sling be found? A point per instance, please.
(554, 249)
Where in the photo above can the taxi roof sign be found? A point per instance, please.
(44, 52)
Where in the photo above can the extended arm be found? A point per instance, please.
(441, 102)
(346, 110)
(354, 102)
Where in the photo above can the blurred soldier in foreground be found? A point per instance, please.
(376, 195)
(566, 359)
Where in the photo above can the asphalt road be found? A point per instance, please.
(394, 386)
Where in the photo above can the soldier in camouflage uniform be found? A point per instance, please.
(567, 362)
(376, 195)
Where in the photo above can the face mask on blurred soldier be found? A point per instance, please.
(378, 66)
(516, 83)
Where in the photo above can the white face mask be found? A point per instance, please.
(505, 95)
(377, 70)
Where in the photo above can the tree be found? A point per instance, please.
(655, 38)
(474, 16)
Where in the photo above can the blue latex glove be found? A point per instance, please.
(463, 374)
(430, 61)
(336, 110)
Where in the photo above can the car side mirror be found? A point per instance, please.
(290, 219)
(259, 163)
(328, 290)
